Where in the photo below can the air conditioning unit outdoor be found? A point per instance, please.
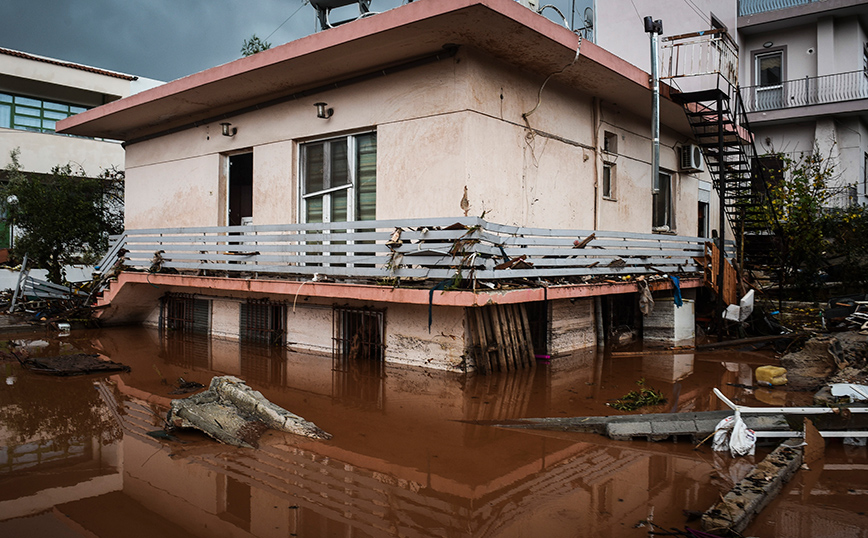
(691, 158)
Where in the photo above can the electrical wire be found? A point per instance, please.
(304, 3)
(558, 72)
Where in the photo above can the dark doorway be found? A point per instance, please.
(240, 188)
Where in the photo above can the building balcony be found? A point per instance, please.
(752, 7)
(463, 250)
(809, 96)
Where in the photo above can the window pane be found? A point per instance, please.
(25, 121)
(366, 164)
(313, 209)
(5, 98)
(48, 125)
(48, 105)
(607, 181)
(661, 203)
(313, 168)
(769, 68)
(339, 165)
(28, 102)
(6, 116)
(76, 109)
(52, 115)
(339, 206)
(27, 111)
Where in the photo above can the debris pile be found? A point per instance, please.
(235, 414)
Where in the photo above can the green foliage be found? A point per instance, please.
(820, 243)
(253, 45)
(63, 217)
(846, 233)
(633, 400)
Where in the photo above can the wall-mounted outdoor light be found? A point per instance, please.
(767, 44)
(322, 112)
(227, 131)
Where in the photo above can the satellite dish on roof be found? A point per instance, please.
(588, 28)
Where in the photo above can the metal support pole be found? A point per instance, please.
(721, 232)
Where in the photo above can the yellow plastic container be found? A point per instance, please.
(771, 376)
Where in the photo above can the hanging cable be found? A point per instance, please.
(541, 88)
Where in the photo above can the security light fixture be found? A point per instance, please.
(322, 111)
(227, 131)
(767, 44)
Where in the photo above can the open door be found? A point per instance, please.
(240, 197)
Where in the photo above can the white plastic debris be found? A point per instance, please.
(733, 434)
(855, 392)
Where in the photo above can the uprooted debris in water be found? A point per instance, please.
(69, 365)
(235, 414)
(633, 400)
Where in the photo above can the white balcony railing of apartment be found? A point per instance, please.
(807, 91)
(466, 248)
(710, 52)
(752, 7)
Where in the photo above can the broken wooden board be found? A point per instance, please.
(235, 414)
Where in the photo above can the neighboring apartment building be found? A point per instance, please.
(804, 79)
(420, 117)
(35, 93)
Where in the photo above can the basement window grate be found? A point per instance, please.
(185, 313)
(263, 322)
(359, 336)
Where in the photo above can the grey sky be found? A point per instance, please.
(164, 39)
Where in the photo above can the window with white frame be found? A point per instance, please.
(661, 219)
(608, 180)
(339, 179)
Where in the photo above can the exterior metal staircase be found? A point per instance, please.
(720, 126)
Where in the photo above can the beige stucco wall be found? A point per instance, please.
(440, 128)
(40, 152)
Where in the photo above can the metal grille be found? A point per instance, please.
(358, 376)
(185, 313)
(263, 322)
(359, 335)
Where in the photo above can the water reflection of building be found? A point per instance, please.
(49, 456)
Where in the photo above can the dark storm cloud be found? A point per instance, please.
(161, 39)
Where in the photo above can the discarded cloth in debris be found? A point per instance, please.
(733, 434)
(676, 290)
(235, 414)
(646, 300)
(853, 391)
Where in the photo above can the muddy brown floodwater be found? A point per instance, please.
(76, 459)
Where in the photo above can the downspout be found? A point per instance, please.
(654, 28)
(598, 157)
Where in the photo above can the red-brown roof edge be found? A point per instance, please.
(71, 65)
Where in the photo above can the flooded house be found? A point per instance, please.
(461, 184)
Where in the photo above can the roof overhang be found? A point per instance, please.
(502, 28)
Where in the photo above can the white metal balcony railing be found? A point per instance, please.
(752, 7)
(437, 249)
(711, 52)
(807, 91)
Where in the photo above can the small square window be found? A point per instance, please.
(610, 142)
